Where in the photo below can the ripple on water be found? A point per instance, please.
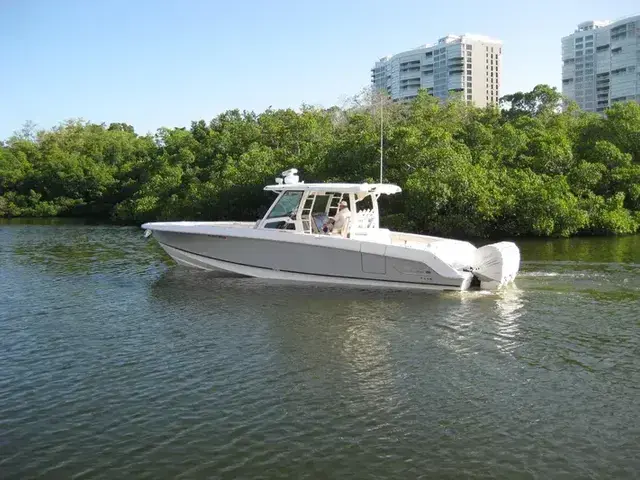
(114, 363)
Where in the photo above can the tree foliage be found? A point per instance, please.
(529, 168)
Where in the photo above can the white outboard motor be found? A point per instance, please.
(496, 265)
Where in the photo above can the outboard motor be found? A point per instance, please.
(496, 265)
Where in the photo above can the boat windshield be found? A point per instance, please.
(287, 204)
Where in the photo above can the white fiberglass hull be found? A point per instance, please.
(386, 259)
(205, 263)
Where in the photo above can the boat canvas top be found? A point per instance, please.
(289, 180)
(371, 188)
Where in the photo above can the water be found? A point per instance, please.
(115, 364)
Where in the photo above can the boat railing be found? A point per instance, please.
(364, 218)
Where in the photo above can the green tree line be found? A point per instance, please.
(529, 167)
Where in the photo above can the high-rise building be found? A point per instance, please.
(601, 63)
(467, 64)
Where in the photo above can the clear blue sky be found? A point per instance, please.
(165, 63)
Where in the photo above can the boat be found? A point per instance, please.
(294, 242)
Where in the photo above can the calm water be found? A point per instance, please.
(115, 364)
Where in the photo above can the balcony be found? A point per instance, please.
(621, 99)
(619, 37)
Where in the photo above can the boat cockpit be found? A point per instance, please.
(308, 208)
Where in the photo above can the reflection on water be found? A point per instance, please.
(116, 363)
(509, 309)
(489, 317)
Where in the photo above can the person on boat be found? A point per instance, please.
(340, 222)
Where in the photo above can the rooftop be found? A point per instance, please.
(595, 24)
(591, 24)
(448, 39)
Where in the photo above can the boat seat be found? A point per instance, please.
(344, 231)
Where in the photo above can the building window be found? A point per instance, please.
(468, 47)
(468, 78)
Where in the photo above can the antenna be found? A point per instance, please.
(381, 133)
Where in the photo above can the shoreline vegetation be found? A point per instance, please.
(528, 168)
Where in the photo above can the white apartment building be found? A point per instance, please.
(601, 63)
(467, 64)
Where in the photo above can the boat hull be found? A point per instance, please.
(324, 260)
(204, 263)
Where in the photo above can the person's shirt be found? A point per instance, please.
(341, 219)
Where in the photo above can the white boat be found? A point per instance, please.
(289, 244)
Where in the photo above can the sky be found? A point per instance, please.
(163, 63)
